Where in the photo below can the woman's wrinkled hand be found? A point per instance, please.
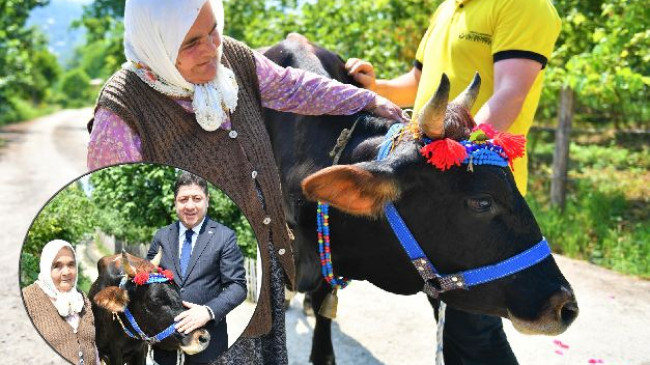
(387, 109)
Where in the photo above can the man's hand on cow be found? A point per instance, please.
(387, 109)
(195, 317)
(362, 72)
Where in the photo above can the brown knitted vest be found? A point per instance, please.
(56, 331)
(170, 135)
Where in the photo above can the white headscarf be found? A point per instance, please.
(66, 303)
(153, 33)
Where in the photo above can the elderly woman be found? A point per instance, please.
(190, 97)
(58, 310)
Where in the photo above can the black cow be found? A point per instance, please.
(153, 307)
(462, 219)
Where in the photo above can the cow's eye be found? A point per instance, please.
(479, 204)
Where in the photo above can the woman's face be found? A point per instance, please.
(64, 270)
(197, 58)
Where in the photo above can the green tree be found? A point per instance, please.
(26, 68)
(384, 32)
(46, 72)
(602, 54)
(67, 216)
(75, 85)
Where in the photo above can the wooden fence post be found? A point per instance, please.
(561, 155)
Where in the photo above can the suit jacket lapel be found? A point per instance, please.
(173, 245)
(205, 234)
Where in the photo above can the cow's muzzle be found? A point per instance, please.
(557, 315)
(195, 342)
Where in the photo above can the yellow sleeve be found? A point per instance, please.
(419, 55)
(525, 29)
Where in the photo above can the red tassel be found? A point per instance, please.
(168, 274)
(514, 145)
(444, 153)
(141, 278)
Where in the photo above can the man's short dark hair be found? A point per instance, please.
(187, 178)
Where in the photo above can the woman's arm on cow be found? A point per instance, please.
(513, 79)
(112, 141)
(298, 91)
(400, 90)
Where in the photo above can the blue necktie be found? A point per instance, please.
(186, 252)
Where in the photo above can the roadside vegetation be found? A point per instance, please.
(602, 55)
(606, 217)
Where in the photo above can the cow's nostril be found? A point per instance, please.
(569, 312)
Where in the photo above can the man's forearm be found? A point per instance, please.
(400, 90)
(513, 79)
(501, 109)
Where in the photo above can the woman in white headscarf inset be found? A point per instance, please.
(58, 310)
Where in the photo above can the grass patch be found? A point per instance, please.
(606, 214)
(21, 110)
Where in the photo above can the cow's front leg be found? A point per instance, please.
(115, 357)
(322, 351)
(140, 357)
(307, 307)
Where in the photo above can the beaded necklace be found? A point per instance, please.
(323, 228)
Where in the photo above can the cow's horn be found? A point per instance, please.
(126, 266)
(155, 261)
(468, 96)
(431, 117)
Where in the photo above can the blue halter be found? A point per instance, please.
(153, 278)
(435, 283)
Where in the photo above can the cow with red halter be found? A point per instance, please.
(134, 304)
(431, 206)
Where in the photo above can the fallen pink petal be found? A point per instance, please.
(561, 344)
(559, 352)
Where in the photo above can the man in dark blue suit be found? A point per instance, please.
(207, 265)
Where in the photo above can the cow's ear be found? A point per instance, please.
(355, 189)
(112, 299)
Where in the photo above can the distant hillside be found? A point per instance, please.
(54, 20)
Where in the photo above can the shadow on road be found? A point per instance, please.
(300, 330)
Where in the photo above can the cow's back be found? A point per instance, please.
(301, 146)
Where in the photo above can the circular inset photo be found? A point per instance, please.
(140, 262)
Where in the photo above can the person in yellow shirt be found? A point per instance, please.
(508, 42)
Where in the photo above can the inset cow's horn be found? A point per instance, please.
(126, 266)
(431, 117)
(468, 97)
(155, 261)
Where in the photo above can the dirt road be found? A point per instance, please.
(38, 159)
(373, 327)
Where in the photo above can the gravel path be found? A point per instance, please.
(374, 327)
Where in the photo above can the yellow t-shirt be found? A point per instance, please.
(466, 36)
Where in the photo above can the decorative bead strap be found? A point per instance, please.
(322, 220)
